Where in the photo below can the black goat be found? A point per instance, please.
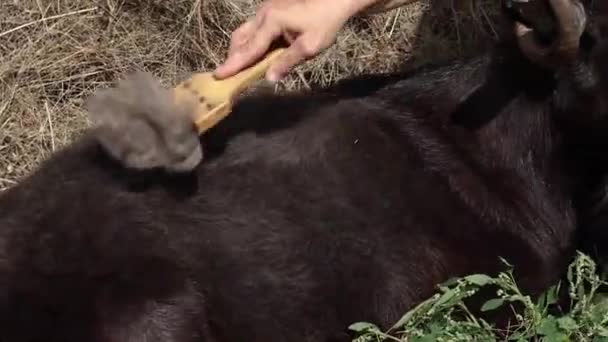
(310, 211)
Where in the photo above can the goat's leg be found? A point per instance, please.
(176, 318)
(571, 22)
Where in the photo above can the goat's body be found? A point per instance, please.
(309, 213)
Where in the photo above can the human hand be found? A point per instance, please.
(309, 26)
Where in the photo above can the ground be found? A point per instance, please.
(53, 53)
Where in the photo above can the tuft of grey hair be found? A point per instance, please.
(139, 124)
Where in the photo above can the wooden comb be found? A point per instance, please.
(214, 98)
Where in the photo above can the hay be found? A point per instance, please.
(55, 53)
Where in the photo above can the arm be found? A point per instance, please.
(385, 5)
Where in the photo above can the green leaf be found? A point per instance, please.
(449, 294)
(479, 279)
(519, 336)
(362, 326)
(567, 323)
(548, 327)
(542, 301)
(517, 298)
(492, 304)
(427, 338)
(552, 295)
(601, 299)
(599, 310)
(435, 329)
(408, 315)
(450, 282)
(556, 337)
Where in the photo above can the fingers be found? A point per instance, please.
(250, 42)
(242, 35)
(308, 27)
(238, 42)
(247, 30)
(302, 49)
(289, 59)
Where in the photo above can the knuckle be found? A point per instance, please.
(271, 14)
(236, 36)
(236, 33)
(240, 32)
(310, 47)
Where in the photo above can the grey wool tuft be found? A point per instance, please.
(138, 123)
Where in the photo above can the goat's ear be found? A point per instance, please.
(139, 124)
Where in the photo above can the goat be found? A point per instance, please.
(309, 210)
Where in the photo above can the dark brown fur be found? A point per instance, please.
(310, 211)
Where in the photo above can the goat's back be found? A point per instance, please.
(309, 213)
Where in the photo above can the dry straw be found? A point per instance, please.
(53, 53)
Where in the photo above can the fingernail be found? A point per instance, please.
(218, 73)
(225, 67)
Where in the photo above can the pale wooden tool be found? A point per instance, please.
(214, 97)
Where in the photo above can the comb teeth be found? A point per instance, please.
(205, 121)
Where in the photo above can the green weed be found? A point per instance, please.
(444, 317)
